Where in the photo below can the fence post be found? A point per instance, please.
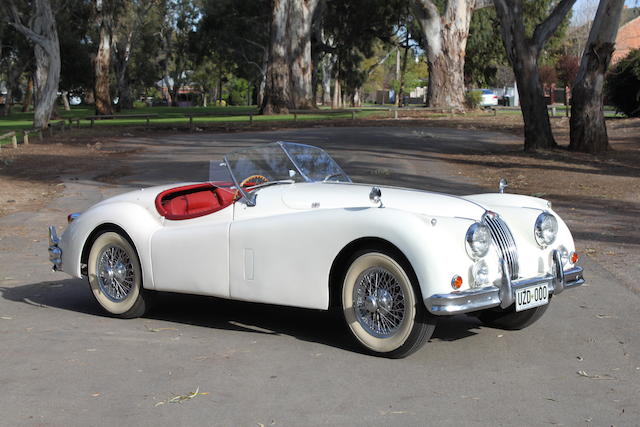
(14, 141)
(25, 138)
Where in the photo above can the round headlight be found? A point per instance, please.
(546, 229)
(478, 240)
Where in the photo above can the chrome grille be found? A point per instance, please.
(504, 241)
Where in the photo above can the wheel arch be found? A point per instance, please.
(339, 265)
(97, 232)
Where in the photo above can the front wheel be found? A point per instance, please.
(382, 306)
(115, 276)
(511, 319)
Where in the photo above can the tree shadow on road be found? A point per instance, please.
(316, 326)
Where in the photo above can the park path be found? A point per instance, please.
(61, 363)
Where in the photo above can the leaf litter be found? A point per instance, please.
(595, 376)
(182, 397)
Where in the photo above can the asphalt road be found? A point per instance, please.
(62, 363)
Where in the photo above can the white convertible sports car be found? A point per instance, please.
(284, 224)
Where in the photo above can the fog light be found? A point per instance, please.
(480, 273)
(456, 282)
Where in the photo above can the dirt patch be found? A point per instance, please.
(31, 176)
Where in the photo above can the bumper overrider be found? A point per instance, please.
(55, 253)
(504, 295)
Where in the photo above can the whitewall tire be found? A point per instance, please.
(115, 276)
(382, 305)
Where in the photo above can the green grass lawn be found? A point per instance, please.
(175, 116)
(166, 116)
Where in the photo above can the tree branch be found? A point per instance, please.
(546, 28)
(16, 22)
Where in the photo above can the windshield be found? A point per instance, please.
(282, 162)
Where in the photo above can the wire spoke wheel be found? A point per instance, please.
(115, 273)
(115, 276)
(382, 307)
(379, 302)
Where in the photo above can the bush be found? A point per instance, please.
(623, 85)
(473, 98)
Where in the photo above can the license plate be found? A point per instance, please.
(532, 296)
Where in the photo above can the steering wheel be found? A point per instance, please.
(253, 180)
(250, 181)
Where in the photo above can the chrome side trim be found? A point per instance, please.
(55, 253)
(491, 296)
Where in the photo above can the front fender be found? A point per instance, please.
(135, 220)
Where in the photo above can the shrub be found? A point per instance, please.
(473, 98)
(623, 85)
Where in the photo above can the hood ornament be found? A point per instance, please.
(502, 185)
(376, 196)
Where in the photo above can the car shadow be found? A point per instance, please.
(323, 327)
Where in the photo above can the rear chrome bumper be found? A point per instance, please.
(55, 253)
(504, 295)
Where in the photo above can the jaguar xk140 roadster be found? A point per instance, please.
(283, 224)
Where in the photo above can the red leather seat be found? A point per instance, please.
(193, 201)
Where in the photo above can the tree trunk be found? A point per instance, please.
(336, 102)
(103, 62)
(327, 68)
(537, 127)
(65, 100)
(44, 36)
(289, 72)
(446, 42)
(28, 96)
(123, 56)
(403, 71)
(523, 52)
(588, 130)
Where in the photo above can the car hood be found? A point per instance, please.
(338, 195)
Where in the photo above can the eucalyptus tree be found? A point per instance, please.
(288, 80)
(39, 27)
(523, 50)
(588, 131)
(107, 12)
(445, 29)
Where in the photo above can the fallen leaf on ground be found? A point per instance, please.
(604, 316)
(595, 376)
(95, 395)
(6, 318)
(182, 397)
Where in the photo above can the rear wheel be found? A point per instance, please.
(382, 305)
(115, 276)
(511, 319)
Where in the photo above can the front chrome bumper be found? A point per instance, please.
(55, 253)
(504, 295)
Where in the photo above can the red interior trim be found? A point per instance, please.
(192, 201)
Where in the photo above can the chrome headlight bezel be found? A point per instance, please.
(478, 241)
(545, 229)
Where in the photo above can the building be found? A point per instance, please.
(628, 34)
